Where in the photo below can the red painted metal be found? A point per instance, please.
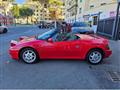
(77, 49)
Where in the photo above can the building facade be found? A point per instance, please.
(89, 10)
(70, 10)
(6, 16)
(5, 7)
(40, 8)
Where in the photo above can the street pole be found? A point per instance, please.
(76, 5)
(4, 15)
(14, 5)
(5, 22)
(98, 19)
(115, 27)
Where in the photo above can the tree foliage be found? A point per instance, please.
(15, 11)
(57, 2)
(25, 12)
(55, 6)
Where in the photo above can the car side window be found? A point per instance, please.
(54, 37)
(58, 37)
(72, 38)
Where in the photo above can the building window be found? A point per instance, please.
(45, 5)
(36, 10)
(36, 6)
(4, 0)
(91, 6)
(102, 4)
(34, 0)
(80, 10)
(95, 20)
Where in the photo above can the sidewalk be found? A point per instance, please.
(115, 58)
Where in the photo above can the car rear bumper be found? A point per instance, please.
(107, 53)
(14, 54)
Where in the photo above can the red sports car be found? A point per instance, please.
(46, 46)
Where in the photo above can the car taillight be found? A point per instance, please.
(13, 43)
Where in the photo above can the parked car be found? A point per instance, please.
(82, 28)
(45, 24)
(78, 46)
(3, 29)
(41, 24)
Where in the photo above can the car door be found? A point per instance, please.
(75, 49)
(75, 46)
(68, 49)
(53, 50)
(62, 49)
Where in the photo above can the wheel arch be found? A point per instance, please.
(25, 48)
(100, 49)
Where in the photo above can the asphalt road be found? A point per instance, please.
(54, 74)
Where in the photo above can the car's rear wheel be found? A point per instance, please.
(29, 56)
(95, 56)
(5, 30)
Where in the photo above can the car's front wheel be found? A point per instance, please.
(95, 57)
(29, 55)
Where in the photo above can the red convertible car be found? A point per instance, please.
(80, 47)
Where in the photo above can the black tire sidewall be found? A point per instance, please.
(87, 58)
(21, 56)
(5, 30)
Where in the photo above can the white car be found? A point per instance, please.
(3, 29)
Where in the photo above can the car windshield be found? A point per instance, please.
(80, 24)
(46, 35)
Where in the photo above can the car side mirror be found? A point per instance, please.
(50, 40)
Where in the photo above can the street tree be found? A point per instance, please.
(55, 8)
(25, 12)
(15, 11)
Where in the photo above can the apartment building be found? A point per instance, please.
(5, 7)
(89, 10)
(40, 8)
(70, 10)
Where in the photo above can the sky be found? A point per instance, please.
(20, 1)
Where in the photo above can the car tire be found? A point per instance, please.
(5, 30)
(29, 56)
(95, 57)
